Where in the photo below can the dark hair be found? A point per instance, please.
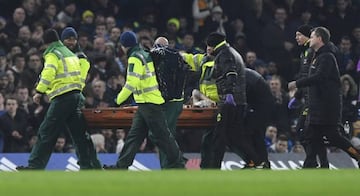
(322, 32)
(282, 137)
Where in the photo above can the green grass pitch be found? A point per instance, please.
(343, 182)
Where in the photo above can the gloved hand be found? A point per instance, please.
(291, 104)
(229, 99)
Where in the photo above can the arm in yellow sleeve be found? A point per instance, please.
(84, 68)
(134, 72)
(48, 73)
(193, 60)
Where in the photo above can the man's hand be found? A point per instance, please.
(229, 99)
(292, 85)
(37, 97)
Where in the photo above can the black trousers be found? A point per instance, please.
(334, 137)
(229, 132)
(255, 122)
(304, 137)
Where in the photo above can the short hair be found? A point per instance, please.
(322, 32)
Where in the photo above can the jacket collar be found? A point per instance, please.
(51, 46)
(219, 47)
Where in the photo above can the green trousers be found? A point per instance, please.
(150, 117)
(173, 110)
(64, 112)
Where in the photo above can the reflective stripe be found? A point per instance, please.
(207, 82)
(231, 73)
(142, 77)
(50, 66)
(147, 75)
(132, 89)
(82, 80)
(134, 74)
(196, 62)
(46, 82)
(62, 60)
(64, 75)
(146, 90)
(64, 88)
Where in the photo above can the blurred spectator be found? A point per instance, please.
(356, 42)
(13, 26)
(14, 123)
(297, 148)
(4, 84)
(216, 22)
(37, 33)
(110, 144)
(100, 99)
(115, 33)
(172, 30)
(48, 19)
(270, 135)
(3, 61)
(110, 23)
(240, 43)
(188, 44)
(120, 135)
(60, 146)
(32, 70)
(108, 8)
(31, 142)
(340, 22)
(281, 113)
(31, 11)
(347, 59)
(23, 38)
(25, 102)
(87, 23)
(68, 14)
(18, 69)
(98, 69)
(201, 9)
(277, 42)
(2, 104)
(280, 146)
(99, 142)
(349, 99)
(101, 31)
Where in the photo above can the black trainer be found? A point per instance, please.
(26, 168)
(112, 167)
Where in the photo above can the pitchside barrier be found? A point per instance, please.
(150, 161)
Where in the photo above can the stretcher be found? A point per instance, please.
(190, 117)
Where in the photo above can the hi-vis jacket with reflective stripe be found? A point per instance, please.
(61, 72)
(207, 85)
(84, 69)
(140, 79)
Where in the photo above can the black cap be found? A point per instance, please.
(215, 38)
(50, 36)
(305, 30)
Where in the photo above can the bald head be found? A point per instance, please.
(162, 41)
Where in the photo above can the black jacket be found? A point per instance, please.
(261, 102)
(324, 88)
(258, 93)
(305, 59)
(229, 72)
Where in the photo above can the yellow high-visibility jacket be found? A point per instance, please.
(141, 79)
(207, 85)
(61, 72)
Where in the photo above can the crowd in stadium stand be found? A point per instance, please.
(262, 31)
